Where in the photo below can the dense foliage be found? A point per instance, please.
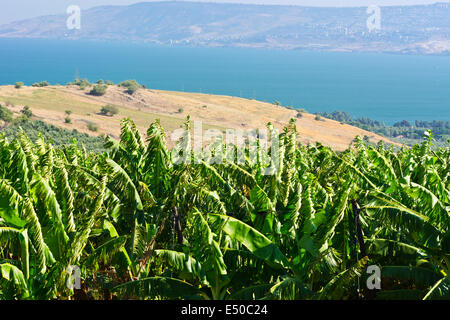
(407, 132)
(35, 129)
(140, 225)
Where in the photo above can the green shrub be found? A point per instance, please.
(21, 120)
(180, 110)
(128, 83)
(99, 90)
(131, 85)
(67, 120)
(110, 110)
(92, 126)
(41, 84)
(299, 114)
(26, 111)
(131, 90)
(79, 82)
(18, 85)
(68, 112)
(83, 83)
(6, 114)
(318, 117)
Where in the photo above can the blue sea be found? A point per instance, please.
(384, 87)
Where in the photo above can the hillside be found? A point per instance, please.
(408, 29)
(144, 106)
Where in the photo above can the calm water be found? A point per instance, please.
(379, 86)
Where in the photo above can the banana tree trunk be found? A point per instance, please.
(356, 211)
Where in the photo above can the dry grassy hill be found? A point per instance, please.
(144, 106)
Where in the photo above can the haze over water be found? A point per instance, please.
(379, 86)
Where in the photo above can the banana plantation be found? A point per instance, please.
(138, 225)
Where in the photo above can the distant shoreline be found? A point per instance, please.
(175, 46)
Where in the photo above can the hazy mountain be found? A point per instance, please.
(422, 29)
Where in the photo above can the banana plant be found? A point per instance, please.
(289, 221)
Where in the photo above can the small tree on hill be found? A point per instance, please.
(67, 119)
(92, 126)
(26, 111)
(5, 114)
(131, 85)
(99, 90)
(131, 90)
(110, 110)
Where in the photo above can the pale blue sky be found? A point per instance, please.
(11, 10)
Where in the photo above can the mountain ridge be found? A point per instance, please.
(423, 29)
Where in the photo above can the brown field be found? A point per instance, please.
(145, 106)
